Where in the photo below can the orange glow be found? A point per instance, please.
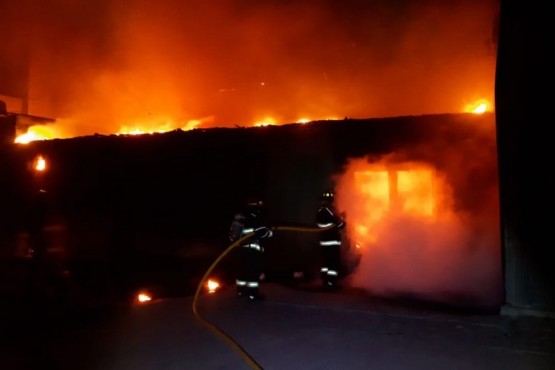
(146, 127)
(143, 297)
(40, 164)
(373, 187)
(158, 125)
(415, 190)
(268, 121)
(250, 66)
(409, 233)
(35, 133)
(212, 286)
(163, 124)
(478, 107)
(382, 192)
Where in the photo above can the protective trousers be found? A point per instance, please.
(248, 281)
(331, 262)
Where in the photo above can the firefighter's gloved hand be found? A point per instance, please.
(263, 232)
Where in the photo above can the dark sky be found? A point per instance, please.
(103, 65)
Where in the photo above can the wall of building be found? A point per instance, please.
(120, 199)
(523, 106)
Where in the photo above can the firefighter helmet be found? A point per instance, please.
(327, 196)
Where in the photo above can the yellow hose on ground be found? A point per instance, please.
(213, 327)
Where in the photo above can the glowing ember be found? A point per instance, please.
(212, 286)
(143, 297)
(40, 164)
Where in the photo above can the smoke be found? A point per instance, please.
(427, 228)
(98, 66)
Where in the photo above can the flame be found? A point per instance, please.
(478, 107)
(383, 191)
(409, 234)
(187, 69)
(268, 121)
(212, 286)
(34, 133)
(40, 164)
(143, 297)
(415, 189)
(162, 124)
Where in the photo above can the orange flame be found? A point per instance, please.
(35, 133)
(143, 297)
(478, 107)
(40, 164)
(212, 286)
(408, 234)
(163, 124)
(145, 127)
(382, 192)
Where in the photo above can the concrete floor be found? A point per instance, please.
(292, 329)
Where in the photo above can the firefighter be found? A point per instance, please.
(330, 240)
(251, 250)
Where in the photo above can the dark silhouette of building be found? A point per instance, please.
(7, 125)
(524, 114)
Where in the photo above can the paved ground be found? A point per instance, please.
(292, 329)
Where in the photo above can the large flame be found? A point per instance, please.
(34, 133)
(52, 131)
(147, 68)
(402, 220)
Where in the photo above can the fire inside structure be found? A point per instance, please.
(404, 222)
(419, 194)
(330, 61)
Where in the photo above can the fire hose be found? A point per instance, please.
(226, 337)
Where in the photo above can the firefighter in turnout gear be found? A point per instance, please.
(251, 251)
(330, 240)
